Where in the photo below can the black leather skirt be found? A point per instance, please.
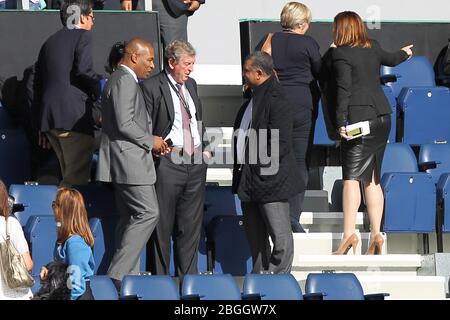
(360, 156)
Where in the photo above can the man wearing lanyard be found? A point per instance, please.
(174, 106)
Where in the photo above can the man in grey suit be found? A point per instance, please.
(125, 157)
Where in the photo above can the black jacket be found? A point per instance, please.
(159, 104)
(178, 8)
(64, 81)
(271, 110)
(357, 70)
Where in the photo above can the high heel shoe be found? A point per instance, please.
(375, 244)
(350, 242)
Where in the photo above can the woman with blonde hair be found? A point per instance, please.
(356, 64)
(297, 63)
(18, 240)
(74, 243)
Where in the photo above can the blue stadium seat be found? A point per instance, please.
(424, 114)
(36, 198)
(272, 286)
(103, 288)
(414, 72)
(15, 163)
(104, 232)
(99, 199)
(436, 157)
(149, 287)
(396, 152)
(443, 213)
(393, 103)
(220, 201)
(37, 284)
(231, 252)
(40, 231)
(338, 286)
(210, 287)
(409, 195)
(320, 130)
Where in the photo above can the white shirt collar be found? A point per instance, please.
(172, 80)
(130, 71)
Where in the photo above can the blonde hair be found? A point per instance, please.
(294, 14)
(70, 211)
(349, 29)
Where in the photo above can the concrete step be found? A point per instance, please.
(325, 243)
(328, 221)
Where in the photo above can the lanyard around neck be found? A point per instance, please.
(182, 99)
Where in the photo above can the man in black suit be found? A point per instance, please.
(174, 106)
(65, 80)
(265, 174)
(173, 17)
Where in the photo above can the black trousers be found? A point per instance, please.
(180, 189)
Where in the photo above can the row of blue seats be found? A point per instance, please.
(420, 109)
(326, 286)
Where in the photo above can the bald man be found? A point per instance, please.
(125, 157)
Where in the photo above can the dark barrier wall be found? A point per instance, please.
(22, 34)
(428, 38)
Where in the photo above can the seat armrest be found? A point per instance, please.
(314, 296)
(376, 296)
(423, 166)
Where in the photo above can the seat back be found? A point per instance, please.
(40, 231)
(273, 286)
(211, 286)
(320, 131)
(148, 287)
(417, 71)
(104, 232)
(219, 200)
(36, 198)
(15, 161)
(103, 288)
(424, 112)
(231, 251)
(439, 153)
(99, 199)
(398, 157)
(337, 286)
(393, 103)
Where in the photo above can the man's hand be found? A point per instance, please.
(43, 141)
(193, 4)
(160, 147)
(43, 273)
(343, 133)
(126, 5)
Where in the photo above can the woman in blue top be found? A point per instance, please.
(74, 243)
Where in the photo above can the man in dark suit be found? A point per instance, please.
(125, 157)
(173, 16)
(65, 80)
(173, 104)
(265, 174)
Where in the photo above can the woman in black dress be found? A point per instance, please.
(297, 64)
(356, 64)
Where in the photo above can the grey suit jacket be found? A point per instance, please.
(126, 142)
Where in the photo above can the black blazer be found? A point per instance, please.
(271, 110)
(158, 100)
(178, 7)
(357, 70)
(64, 81)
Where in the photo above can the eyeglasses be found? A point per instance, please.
(91, 16)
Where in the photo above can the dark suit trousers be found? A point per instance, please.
(262, 220)
(180, 189)
(171, 28)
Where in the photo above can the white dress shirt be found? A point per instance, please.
(176, 134)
